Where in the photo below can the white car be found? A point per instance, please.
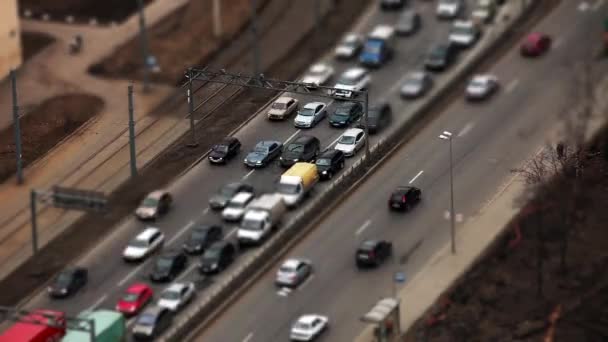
(311, 114)
(354, 79)
(156, 204)
(464, 33)
(176, 295)
(144, 244)
(283, 107)
(481, 87)
(449, 9)
(351, 141)
(349, 47)
(293, 272)
(235, 208)
(318, 75)
(308, 327)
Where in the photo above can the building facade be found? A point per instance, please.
(10, 38)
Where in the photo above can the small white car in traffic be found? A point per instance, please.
(293, 272)
(318, 75)
(156, 204)
(176, 295)
(351, 80)
(349, 47)
(481, 87)
(351, 141)
(311, 114)
(144, 244)
(236, 206)
(308, 327)
(464, 33)
(282, 107)
(449, 9)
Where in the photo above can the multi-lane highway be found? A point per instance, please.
(491, 139)
(109, 276)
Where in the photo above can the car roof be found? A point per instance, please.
(218, 244)
(266, 143)
(303, 139)
(242, 197)
(147, 233)
(319, 67)
(354, 72)
(313, 105)
(283, 99)
(307, 319)
(352, 132)
(404, 188)
(156, 194)
(291, 263)
(137, 287)
(171, 253)
(464, 23)
(175, 287)
(227, 140)
(205, 227)
(329, 154)
(154, 310)
(481, 78)
(368, 244)
(416, 75)
(347, 104)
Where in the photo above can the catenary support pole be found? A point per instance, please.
(193, 142)
(17, 128)
(133, 160)
(254, 37)
(144, 45)
(34, 223)
(217, 18)
(317, 17)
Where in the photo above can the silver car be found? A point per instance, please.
(351, 141)
(481, 87)
(177, 295)
(293, 272)
(311, 114)
(416, 84)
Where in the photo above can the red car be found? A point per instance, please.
(134, 299)
(535, 44)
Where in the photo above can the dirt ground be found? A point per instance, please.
(75, 241)
(44, 127)
(187, 33)
(33, 42)
(82, 10)
(499, 299)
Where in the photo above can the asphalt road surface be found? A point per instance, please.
(109, 276)
(491, 138)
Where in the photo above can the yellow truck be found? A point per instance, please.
(296, 182)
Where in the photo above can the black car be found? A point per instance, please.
(68, 282)
(329, 163)
(404, 197)
(152, 322)
(228, 148)
(304, 148)
(379, 117)
(373, 253)
(225, 193)
(201, 237)
(441, 57)
(392, 4)
(217, 257)
(345, 114)
(168, 265)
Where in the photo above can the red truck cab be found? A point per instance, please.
(39, 326)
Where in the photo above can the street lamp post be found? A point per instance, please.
(448, 136)
(144, 44)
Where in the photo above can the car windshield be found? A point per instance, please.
(351, 43)
(251, 225)
(235, 204)
(324, 162)
(150, 202)
(478, 84)
(169, 295)
(130, 297)
(295, 148)
(212, 254)
(286, 269)
(220, 148)
(279, 105)
(464, 30)
(289, 189)
(406, 19)
(261, 149)
(347, 140)
(317, 72)
(413, 81)
(439, 52)
(164, 263)
(342, 111)
(198, 235)
(64, 278)
(306, 112)
(373, 47)
(229, 190)
(302, 326)
(140, 243)
(146, 319)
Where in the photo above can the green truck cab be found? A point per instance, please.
(110, 326)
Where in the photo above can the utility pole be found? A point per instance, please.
(190, 94)
(448, 136)
(254, 37)
(217, 19)
(144, 45)
(365, 123)
(34, 223)
(17, 127)
(132, 134)
(317, 17)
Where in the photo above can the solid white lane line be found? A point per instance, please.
(181, 232)
(231, 232)
(597, 5)
(512, 85)
(416, 176)
(205, 211)
(97, 303)
(130, 275)
(466, 129)
(308, 280)
(363, 227)
(186, 271)
(248, 174)
(292, 136)
(248, 337)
